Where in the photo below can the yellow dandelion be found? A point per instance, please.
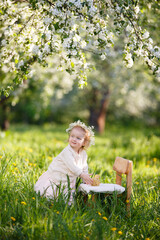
(127, 201)
(26, 160)
(147, 239)
(113, 229)
(13, 219)
(14, 164)
(99, 214)
(23, 203)
(93, 220)
(147, 166)
(154, 159)
(57, 212)
(50, 158)
(137, 183)
(33, 198)
(34, 164)
(105, 218)
(1, 156)
(120, 232)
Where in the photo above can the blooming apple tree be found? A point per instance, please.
(32, 30)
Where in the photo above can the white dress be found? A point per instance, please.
(67, 163)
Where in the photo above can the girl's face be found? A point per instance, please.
(77, 138)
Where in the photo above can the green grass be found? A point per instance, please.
(27, 151)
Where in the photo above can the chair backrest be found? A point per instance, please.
(124, 166)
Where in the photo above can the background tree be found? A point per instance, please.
(46, 93)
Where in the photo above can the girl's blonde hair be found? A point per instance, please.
(89, 134)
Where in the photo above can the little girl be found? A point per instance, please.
(69, 164)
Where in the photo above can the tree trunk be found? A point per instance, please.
(98, 115)
(4, 121)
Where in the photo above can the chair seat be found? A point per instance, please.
(102, 188)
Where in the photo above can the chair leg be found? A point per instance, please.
(85, 198)
(94, 197)
(129, 188)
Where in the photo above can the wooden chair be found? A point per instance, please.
(124, 166)
(121, 166)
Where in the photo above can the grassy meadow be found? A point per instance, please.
(27, 151)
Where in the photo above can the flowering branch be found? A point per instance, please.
(69, 28)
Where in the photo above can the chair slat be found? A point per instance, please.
(118, 178)
(121, 165)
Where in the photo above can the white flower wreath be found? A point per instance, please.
(82, 125)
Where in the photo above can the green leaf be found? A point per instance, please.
(6, 93)
(56, 25)
(16, 80)
(72, 64)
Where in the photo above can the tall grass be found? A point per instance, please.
(27, 151)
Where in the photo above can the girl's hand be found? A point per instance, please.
(86, 178)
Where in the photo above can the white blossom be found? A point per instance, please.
(35, 49)
(103, 56)
(102, 36)
(157, 51)
(74, 28)
(3, 42)
(40, 56)
(81, 83)
(146, 34)
(129, 60)
(139, 52)
(129, 63)
(74, 52)
(55, 12)
(76, 38)
(128, 56)
(46, 48)
(150, 40)
(21, 63)
(66, 43)
(136, 9)
(158, 73)
(78, 4)
(83, 44)
(35, 38)
(129, 29)
(95, 43)
(48, 36)
(92, 11)
(47, 20)
(59, 3)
